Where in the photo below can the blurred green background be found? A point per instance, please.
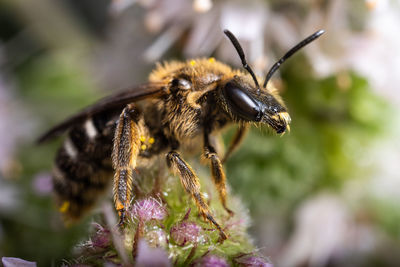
(326, 194)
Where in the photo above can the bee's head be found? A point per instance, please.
(253, 104)
(246, 104)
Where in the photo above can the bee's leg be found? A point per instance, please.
(125, 151)
(191, 185)
(236, 140)
(217, 172)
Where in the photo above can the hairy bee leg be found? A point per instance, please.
(236, 141)
(125, 151)
(191, 184)
(218, 175)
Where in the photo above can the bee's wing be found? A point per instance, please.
(112, 102)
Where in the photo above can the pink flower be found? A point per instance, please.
(210, 261)
(102, 237)
(149, 257)
(16, 262)
(42, 184)
(149, 209)
(185, 232)
(157, 238)
(251, 259)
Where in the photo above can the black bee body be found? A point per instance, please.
(83, 165)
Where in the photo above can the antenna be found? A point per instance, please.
(296, 48)
(239, 49)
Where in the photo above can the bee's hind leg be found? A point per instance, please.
(191, 185)
(124, 155)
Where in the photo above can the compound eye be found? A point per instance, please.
(241, 103)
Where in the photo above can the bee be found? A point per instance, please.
(182, 103)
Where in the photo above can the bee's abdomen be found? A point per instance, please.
(83, 165)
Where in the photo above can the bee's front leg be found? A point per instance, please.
(191, 185)
(217, 172)
(124, 155)
(236, 140)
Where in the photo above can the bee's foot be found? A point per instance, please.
(121, 222)
(230, 212)
(222, 237)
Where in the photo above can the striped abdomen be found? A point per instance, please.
(83, 165)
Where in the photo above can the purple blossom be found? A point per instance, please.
(102, 237)
(252, 259)
(149, 209)
(42, 184)
(16, 262)
(185, 232)
(157, 238)
(211, 261)
(150, 257)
